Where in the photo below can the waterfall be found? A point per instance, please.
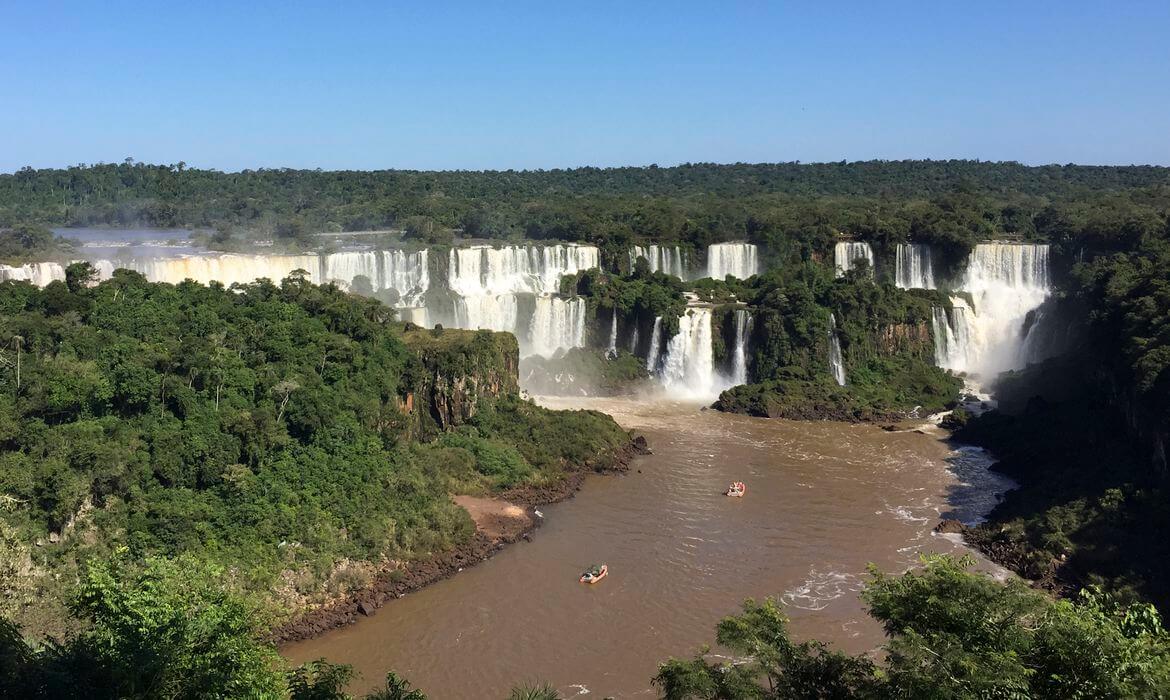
(670, 260)
(404, 272)
(1006, 281)
(494, 312)
(836, 363)
(689, 367)
(344, 267)
(613, 333)
(736, 259)
(487, 281)
(846, 253)
(557, 324)
(477, 270)
(655, 346)
(634, 340)
(743, 328)
(39, 274)
(225, 268)
(914, 268)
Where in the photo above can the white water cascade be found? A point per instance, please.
(740, 260)
(655, 346)
(1005, 282)
(403, 271)
(478, 270)
(743, 329)
(846, 253)
(486, 282)
(688, 371)
(38, 274)
(557, 324)
(913, 267)
(670, 260)
(613, 334)
(836, 361)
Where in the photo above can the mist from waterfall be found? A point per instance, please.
(740, 260)
(670, 260)
(913, 266)
(836, 361)
(847, 253)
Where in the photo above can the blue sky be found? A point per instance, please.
(520, 85)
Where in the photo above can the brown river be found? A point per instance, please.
(823, 501)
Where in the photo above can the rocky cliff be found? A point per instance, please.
(458, 369)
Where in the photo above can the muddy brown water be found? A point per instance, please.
(823, 501)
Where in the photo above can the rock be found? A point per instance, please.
(641, 446)
(950, 526)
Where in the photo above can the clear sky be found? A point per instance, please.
(477, 85)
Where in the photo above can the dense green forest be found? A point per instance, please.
(948, 203)
(277, 430)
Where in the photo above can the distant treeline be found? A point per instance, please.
(950, 203)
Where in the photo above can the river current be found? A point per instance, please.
(824, 500)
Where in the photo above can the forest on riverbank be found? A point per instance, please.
(291, 434)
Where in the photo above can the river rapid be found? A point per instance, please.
(824, 500)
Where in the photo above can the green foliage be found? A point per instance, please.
(886, 341)
(953, 634)
(543, 691)
(27, 242)
(260, 428)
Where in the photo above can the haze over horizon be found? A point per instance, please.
(466, 87)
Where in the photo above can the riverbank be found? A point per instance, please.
(499, 521)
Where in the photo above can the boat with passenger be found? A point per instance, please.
(595, 573)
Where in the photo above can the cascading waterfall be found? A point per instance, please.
(403, 271)
(478, 270)
(634, 340)
(736, 259)
(486, 282)
(952, 335)
(655, 346)
(743, 328)
(1005, 282)
(557, 324)
(846, 253)
(670, 260)
(914, 267)
(613, 333)
(226, 268)
(689, 368)
(38, 274)
(836, 362)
